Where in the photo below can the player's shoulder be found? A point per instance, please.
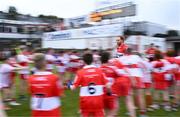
(90, 68)
(44, 74)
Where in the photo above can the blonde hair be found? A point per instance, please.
(39, 61)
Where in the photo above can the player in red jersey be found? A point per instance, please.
(159, 81)
(177, 77)
(45, 90)
(120, 85)
(174, 69)
(121, 46)
(151, 50)
(92, 82)
(110, 101)
(135, 65)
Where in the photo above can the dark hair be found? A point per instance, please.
(129, 51)
(122, 38)
(151, 59)
(105, 57)
(95, 50)
(74, 52)
(61, 52)
(158, 55)
(88, 58)
(3, 58)
(170, 53)
(152, 44)
(13, 53)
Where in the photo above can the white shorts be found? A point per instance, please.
(5, 82)
(61, 69)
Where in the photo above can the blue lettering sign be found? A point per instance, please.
(61, 36)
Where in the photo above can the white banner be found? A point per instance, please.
(91, 32)
(102, 31)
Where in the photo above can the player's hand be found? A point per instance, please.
(69, 84)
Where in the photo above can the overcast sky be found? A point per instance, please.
(166, 12)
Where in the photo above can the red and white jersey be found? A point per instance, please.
(173, 60)
(92, 81)
(110, 73)
(134, 65)
(5, 75)
(28, 54)
(122, 82)
(12, 61)
(23, 61)
(177, 60)
(50, 61)
(159, 66)
(122, 48)
(121, 69)
(173, 67)
(160, 70)
(171, 63)
(147, 69)
(75, 63)
(163, 66)
(45, 89)
(61, 64)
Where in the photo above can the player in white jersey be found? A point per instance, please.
(12, 62)
(147, 80)
(135, 65)
(5, 79)
(51, 59)
(75, 63)
(23, 61)
(61, 65)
